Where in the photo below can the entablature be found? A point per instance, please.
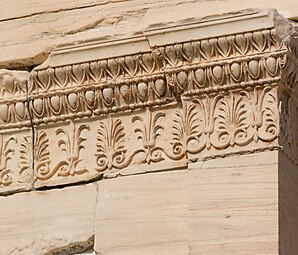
(183, 91)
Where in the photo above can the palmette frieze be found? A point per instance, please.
(71, 143)
(159, 109)
(202, 126)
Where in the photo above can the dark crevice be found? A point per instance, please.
(14, 192)
(62, 186)
(32, 133)
(74, 248)
(27, 68)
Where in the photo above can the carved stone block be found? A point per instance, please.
(40, 217)
(114, 145)
(16, 157)
(187, 126)
(16, 164)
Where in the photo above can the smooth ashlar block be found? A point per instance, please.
(38, 222)
(233, 205)
(143, 214)
(222, 206)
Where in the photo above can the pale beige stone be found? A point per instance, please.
(16, 164)
(86, 253)
(143, 214)
(41, 26)
(129, 98)
(41, 31)
(116, 146)
(198, 21)
(157, 107)
(94, 50)
(231, 208)
(233, 205)
(41, 221)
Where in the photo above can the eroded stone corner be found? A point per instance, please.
(288, 93)
(76, 248)
(16, 170)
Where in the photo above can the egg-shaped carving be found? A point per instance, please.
(143, 90)
(271, 65)
(236, 71)
(182, 78)
(253, 66)
(72, 99)
(55, 103)
(218, 73)
(4, 112)
(108, 94)
(125, 92)
(20, 109)
(200, 77)
(90, 97)
(160, 87)
(38, 105)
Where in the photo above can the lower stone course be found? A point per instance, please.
(39, 222)
(213, 206)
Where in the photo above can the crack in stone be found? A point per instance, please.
(62, 9)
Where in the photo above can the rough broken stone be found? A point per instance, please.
(39, 27)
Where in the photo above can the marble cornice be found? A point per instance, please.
(157, 77)
(156, 101)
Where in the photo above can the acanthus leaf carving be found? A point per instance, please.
(6, 175)
(187, 133)
(26, 156)
(71, 144)
(147, 133)
(110, 150)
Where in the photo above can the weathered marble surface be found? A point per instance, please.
(199, 86)
(135, 109)
(233, 205)
(212, 206)
(39, 26)
(41, 222)
(143, 214)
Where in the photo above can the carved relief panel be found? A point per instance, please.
(117, 144)
(15, 160)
